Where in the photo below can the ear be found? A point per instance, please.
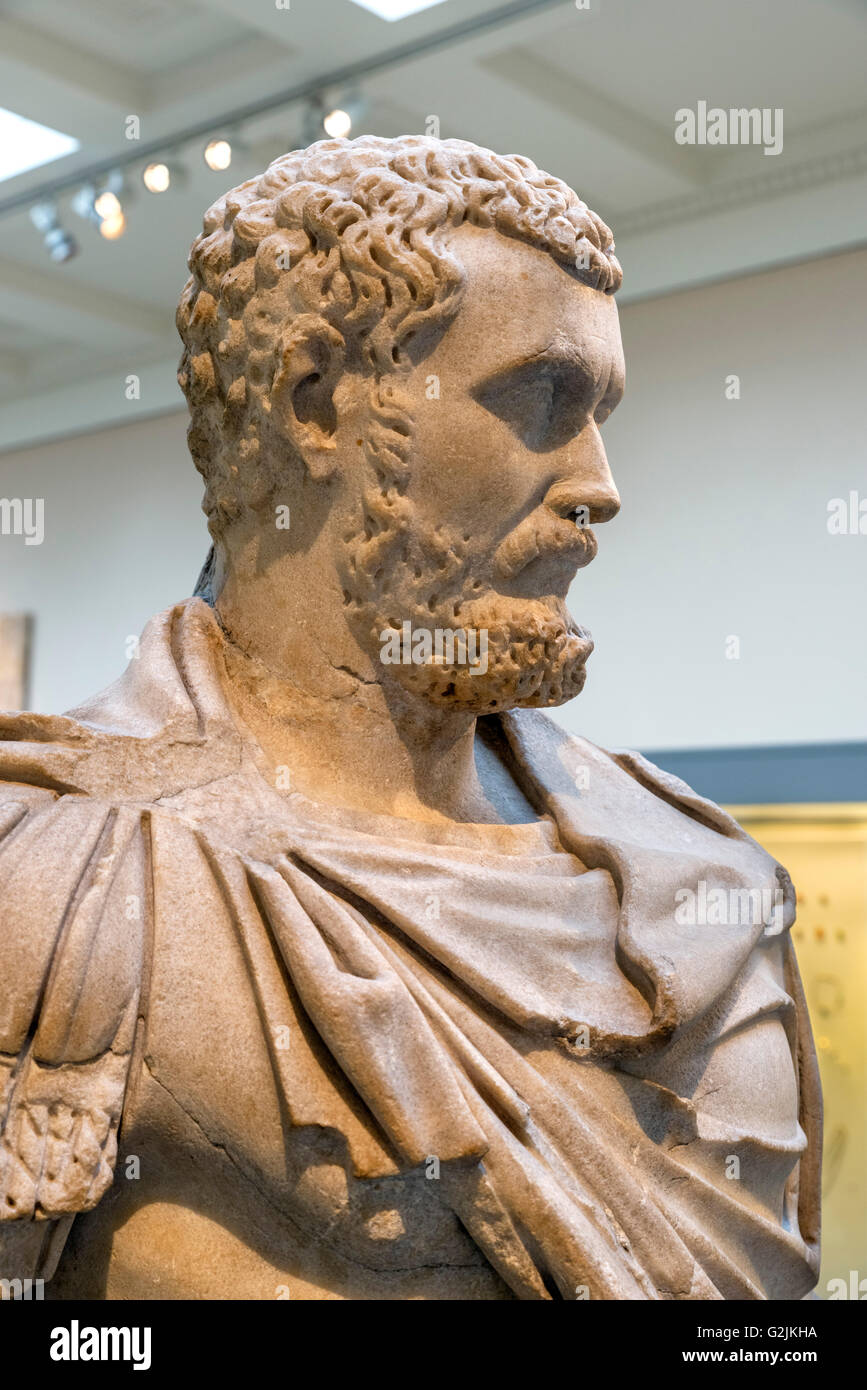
(302, 396)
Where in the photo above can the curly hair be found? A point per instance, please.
(347, 235)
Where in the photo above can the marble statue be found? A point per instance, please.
(332, 966)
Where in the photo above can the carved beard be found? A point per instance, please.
(536, 653)
(536, 656)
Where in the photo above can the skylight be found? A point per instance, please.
(27, 144)
(396, 9)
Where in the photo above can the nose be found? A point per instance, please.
(583, 479)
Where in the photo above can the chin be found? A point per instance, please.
(506, 687)
(536, 658)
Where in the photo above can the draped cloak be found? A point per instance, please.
(523, 1005)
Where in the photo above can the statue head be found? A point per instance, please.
(397, 357)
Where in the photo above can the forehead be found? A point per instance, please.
(520, 302)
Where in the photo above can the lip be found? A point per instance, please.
(551, 543)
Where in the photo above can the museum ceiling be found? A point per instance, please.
(591, 96)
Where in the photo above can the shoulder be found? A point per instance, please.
(568, 763)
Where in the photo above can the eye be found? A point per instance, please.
(522, 399)
(545, 403)
(537, 397)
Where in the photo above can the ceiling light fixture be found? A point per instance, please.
(344, 116)
(301, 96)
(84, 203)
(218, 154)
(337, 123)
(113, 225)
(60, 244)
(107, 204)
(157, 177)
(102, 206)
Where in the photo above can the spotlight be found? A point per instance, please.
(84, 203)
(341, 118)
(162, 174)
(156, 177)
(337, 123)
(102, 208)
(60, 245)
(113, 226)
(218, 154)
(107, 205)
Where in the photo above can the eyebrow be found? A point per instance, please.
(547, 356)
(554, 355)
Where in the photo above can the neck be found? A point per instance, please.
(330, 721)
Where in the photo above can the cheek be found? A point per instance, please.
(468, 467)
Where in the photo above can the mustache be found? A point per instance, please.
(549, 536)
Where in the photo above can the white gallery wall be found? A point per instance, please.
(724, 611)
(723, 529)
(124, 538)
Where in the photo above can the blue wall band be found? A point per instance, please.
(809, 772)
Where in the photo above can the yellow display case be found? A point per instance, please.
(824, 848)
